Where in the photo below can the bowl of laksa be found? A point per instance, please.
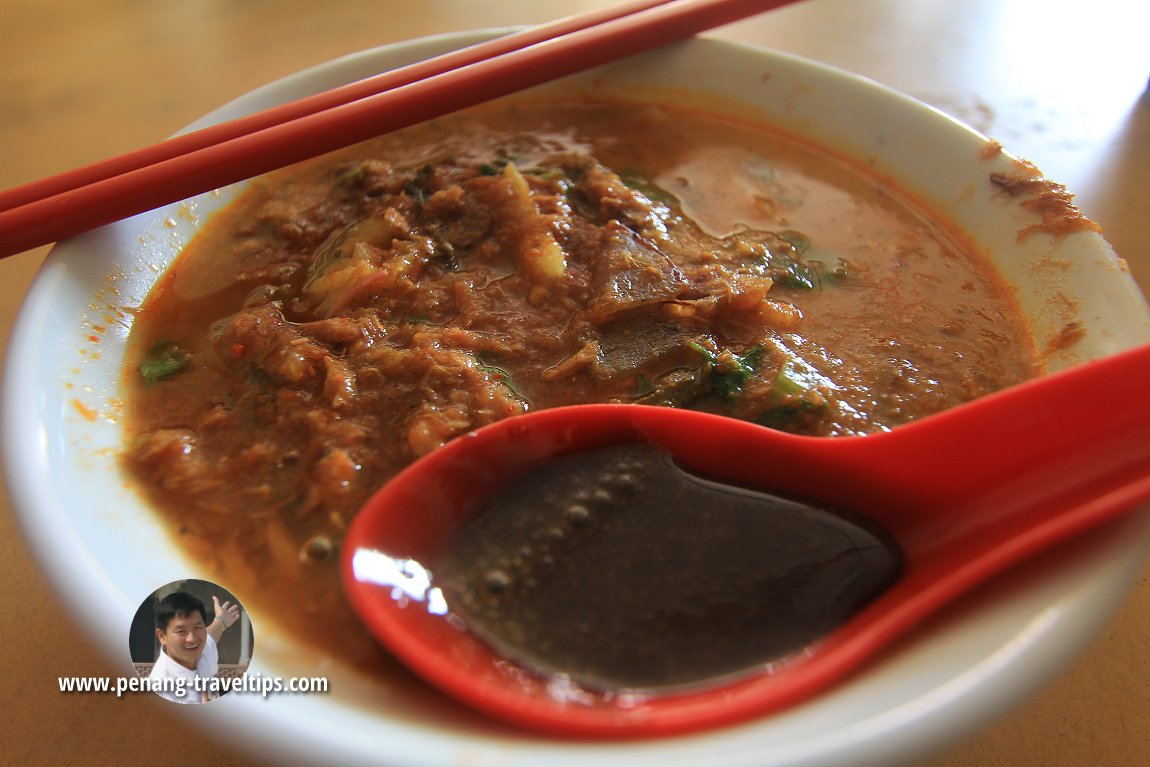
(224, 382)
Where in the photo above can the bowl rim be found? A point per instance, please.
(1060, 621)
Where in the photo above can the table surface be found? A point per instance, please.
(1060, 83)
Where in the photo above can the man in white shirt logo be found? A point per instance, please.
(188, 646)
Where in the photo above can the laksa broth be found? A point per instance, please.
(349, 314)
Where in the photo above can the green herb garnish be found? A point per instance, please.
(675, 388)
(649, 189)
(164, 360)
(727, 371)
(495, 167)
(497, 373)
(793, 274)
(795, 397)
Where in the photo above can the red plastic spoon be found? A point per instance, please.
(967, 493)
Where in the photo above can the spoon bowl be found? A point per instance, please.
(966, 493)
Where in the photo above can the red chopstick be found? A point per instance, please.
(94, 195)
(268, 118)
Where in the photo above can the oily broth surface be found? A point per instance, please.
(900, 317)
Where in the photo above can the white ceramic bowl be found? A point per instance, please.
(104, 550)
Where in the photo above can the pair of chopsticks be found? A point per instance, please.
(67, 204)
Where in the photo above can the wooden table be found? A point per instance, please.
(1061, 83)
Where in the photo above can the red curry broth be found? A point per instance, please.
(351, 313)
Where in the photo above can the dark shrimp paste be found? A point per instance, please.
(619, 569)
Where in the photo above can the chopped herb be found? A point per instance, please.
(731, 371)
(548, 173)
(794, 381)
(794, 274)
(727, 371)
(708, 355)
(648, 188)
(164, 360)
(795, 396)
(493, 168)
(777, 255)
(503, 377)
(496, 373)
(787, 417)
(352, 176)
(644, 384)
(419, 186)
(676, 388)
